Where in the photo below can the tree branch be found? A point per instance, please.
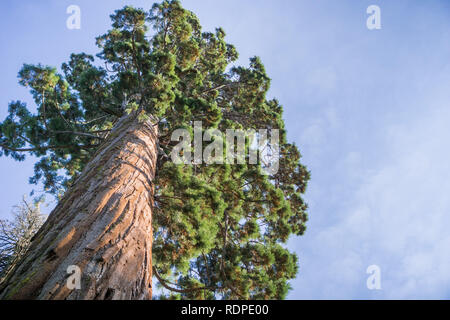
(85, 134)
(45, 148)
(165, 285)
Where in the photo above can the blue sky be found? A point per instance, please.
(368, 109)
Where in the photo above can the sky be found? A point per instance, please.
(369, 110)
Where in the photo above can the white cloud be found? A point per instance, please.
(323, 79)
(398, 218)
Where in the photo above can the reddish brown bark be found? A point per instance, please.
(103, 225)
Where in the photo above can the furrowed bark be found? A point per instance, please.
(103, 225)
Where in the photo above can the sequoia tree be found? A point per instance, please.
(126, 211)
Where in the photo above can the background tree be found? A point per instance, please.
(16, 235)
(207, 231)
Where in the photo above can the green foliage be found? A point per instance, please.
(219, 230)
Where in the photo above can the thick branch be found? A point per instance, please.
(85, 134)
(165, 285)
(45, 148)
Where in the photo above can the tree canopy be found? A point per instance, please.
(219, 230)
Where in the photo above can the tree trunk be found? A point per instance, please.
(102, 225)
